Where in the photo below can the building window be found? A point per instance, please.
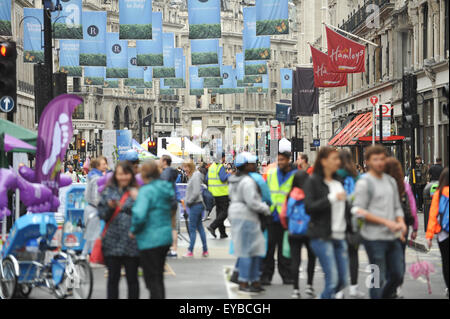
(171, 116)
(78, 114)
(446, 35)
(161, 115)
(166, 117)
(425, 31)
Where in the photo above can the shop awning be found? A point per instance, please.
(357, 128)
(391, 138)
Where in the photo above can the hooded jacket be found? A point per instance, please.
(151, 220)
(434, 227)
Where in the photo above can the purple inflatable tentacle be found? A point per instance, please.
(27, 173)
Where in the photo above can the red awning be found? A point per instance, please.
(385, 139)
(357, 128)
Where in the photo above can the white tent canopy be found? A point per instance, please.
(175, 159)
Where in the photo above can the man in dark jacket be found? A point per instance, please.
(435, 170)
(170, 174)
(419, 180)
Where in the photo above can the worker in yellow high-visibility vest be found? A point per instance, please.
(217, 180)
(279, 180)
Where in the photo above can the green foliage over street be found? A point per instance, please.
(255, 69)
(71, 70)
(205, 72)
(150, 60)
(5, 28)
(205, 31)
(93, 59)
(257, 54)
(205, 58)
(94, 80)
(33, 56)
(159, 73)
(120, 73)
(135, 31)
(63, 31)
(272, 27)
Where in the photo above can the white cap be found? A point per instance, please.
(284, 146)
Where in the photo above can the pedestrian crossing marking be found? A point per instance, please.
(168, 270)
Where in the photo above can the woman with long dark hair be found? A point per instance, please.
(294, 200)
(437, 222)
(325, 202)
(393, 167)
(349, 175)
(118, 248)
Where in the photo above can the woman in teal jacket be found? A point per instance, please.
(151, 224)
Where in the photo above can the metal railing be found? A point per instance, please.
(360, 16)
(215, 107)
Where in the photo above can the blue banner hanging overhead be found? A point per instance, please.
(33, 37)
(135, 73)
(195, 83)
(204, 19)
(116, 56)
(286, 81)
(168, 71)
(180, 71)
(165, 89)
(255, 48)
(255, 67)
(111, 83)
(135, 19)
(94, 75)
(69, 57)
(205, 51)
(150, 52)
(260, 87)
(272, 17)
(67, 24)
(5, 18)
(148, 77)
(93, 45)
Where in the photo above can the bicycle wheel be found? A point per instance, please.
(8, 280)
(85, 281)
(25, 290)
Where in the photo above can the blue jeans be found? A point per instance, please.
(388, 256)
(333, 257)
(249, 269)
(195, 224)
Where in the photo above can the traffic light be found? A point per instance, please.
(152, 147)
(164, 143)
(409, 101)
(83, 145)
(8, 81)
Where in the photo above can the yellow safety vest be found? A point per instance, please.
(215, 185)
(278, 193)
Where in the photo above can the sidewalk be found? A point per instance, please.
(420, 243)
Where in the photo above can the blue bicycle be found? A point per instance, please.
(28, 260)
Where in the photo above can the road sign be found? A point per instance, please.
(316, 142)
(374, 100)
(386, 111)
(6, 104)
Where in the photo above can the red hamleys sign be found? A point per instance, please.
(322, 77)
(345, 55)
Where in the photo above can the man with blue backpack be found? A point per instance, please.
(293, 217)
(438, 222)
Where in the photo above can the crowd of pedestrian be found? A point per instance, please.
(331, 208)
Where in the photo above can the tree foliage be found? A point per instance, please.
(63, 31)
(205, 31)
(135, 31)
(150, 59)
(92, 59)
(205, 58)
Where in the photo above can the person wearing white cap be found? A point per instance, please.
(279, 180)
(244, 213)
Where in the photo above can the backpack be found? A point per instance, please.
(183, 178)
(443, 212)
(409, 219)
(298, 219)
(208, 199)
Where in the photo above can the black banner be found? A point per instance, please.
(305, 97)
